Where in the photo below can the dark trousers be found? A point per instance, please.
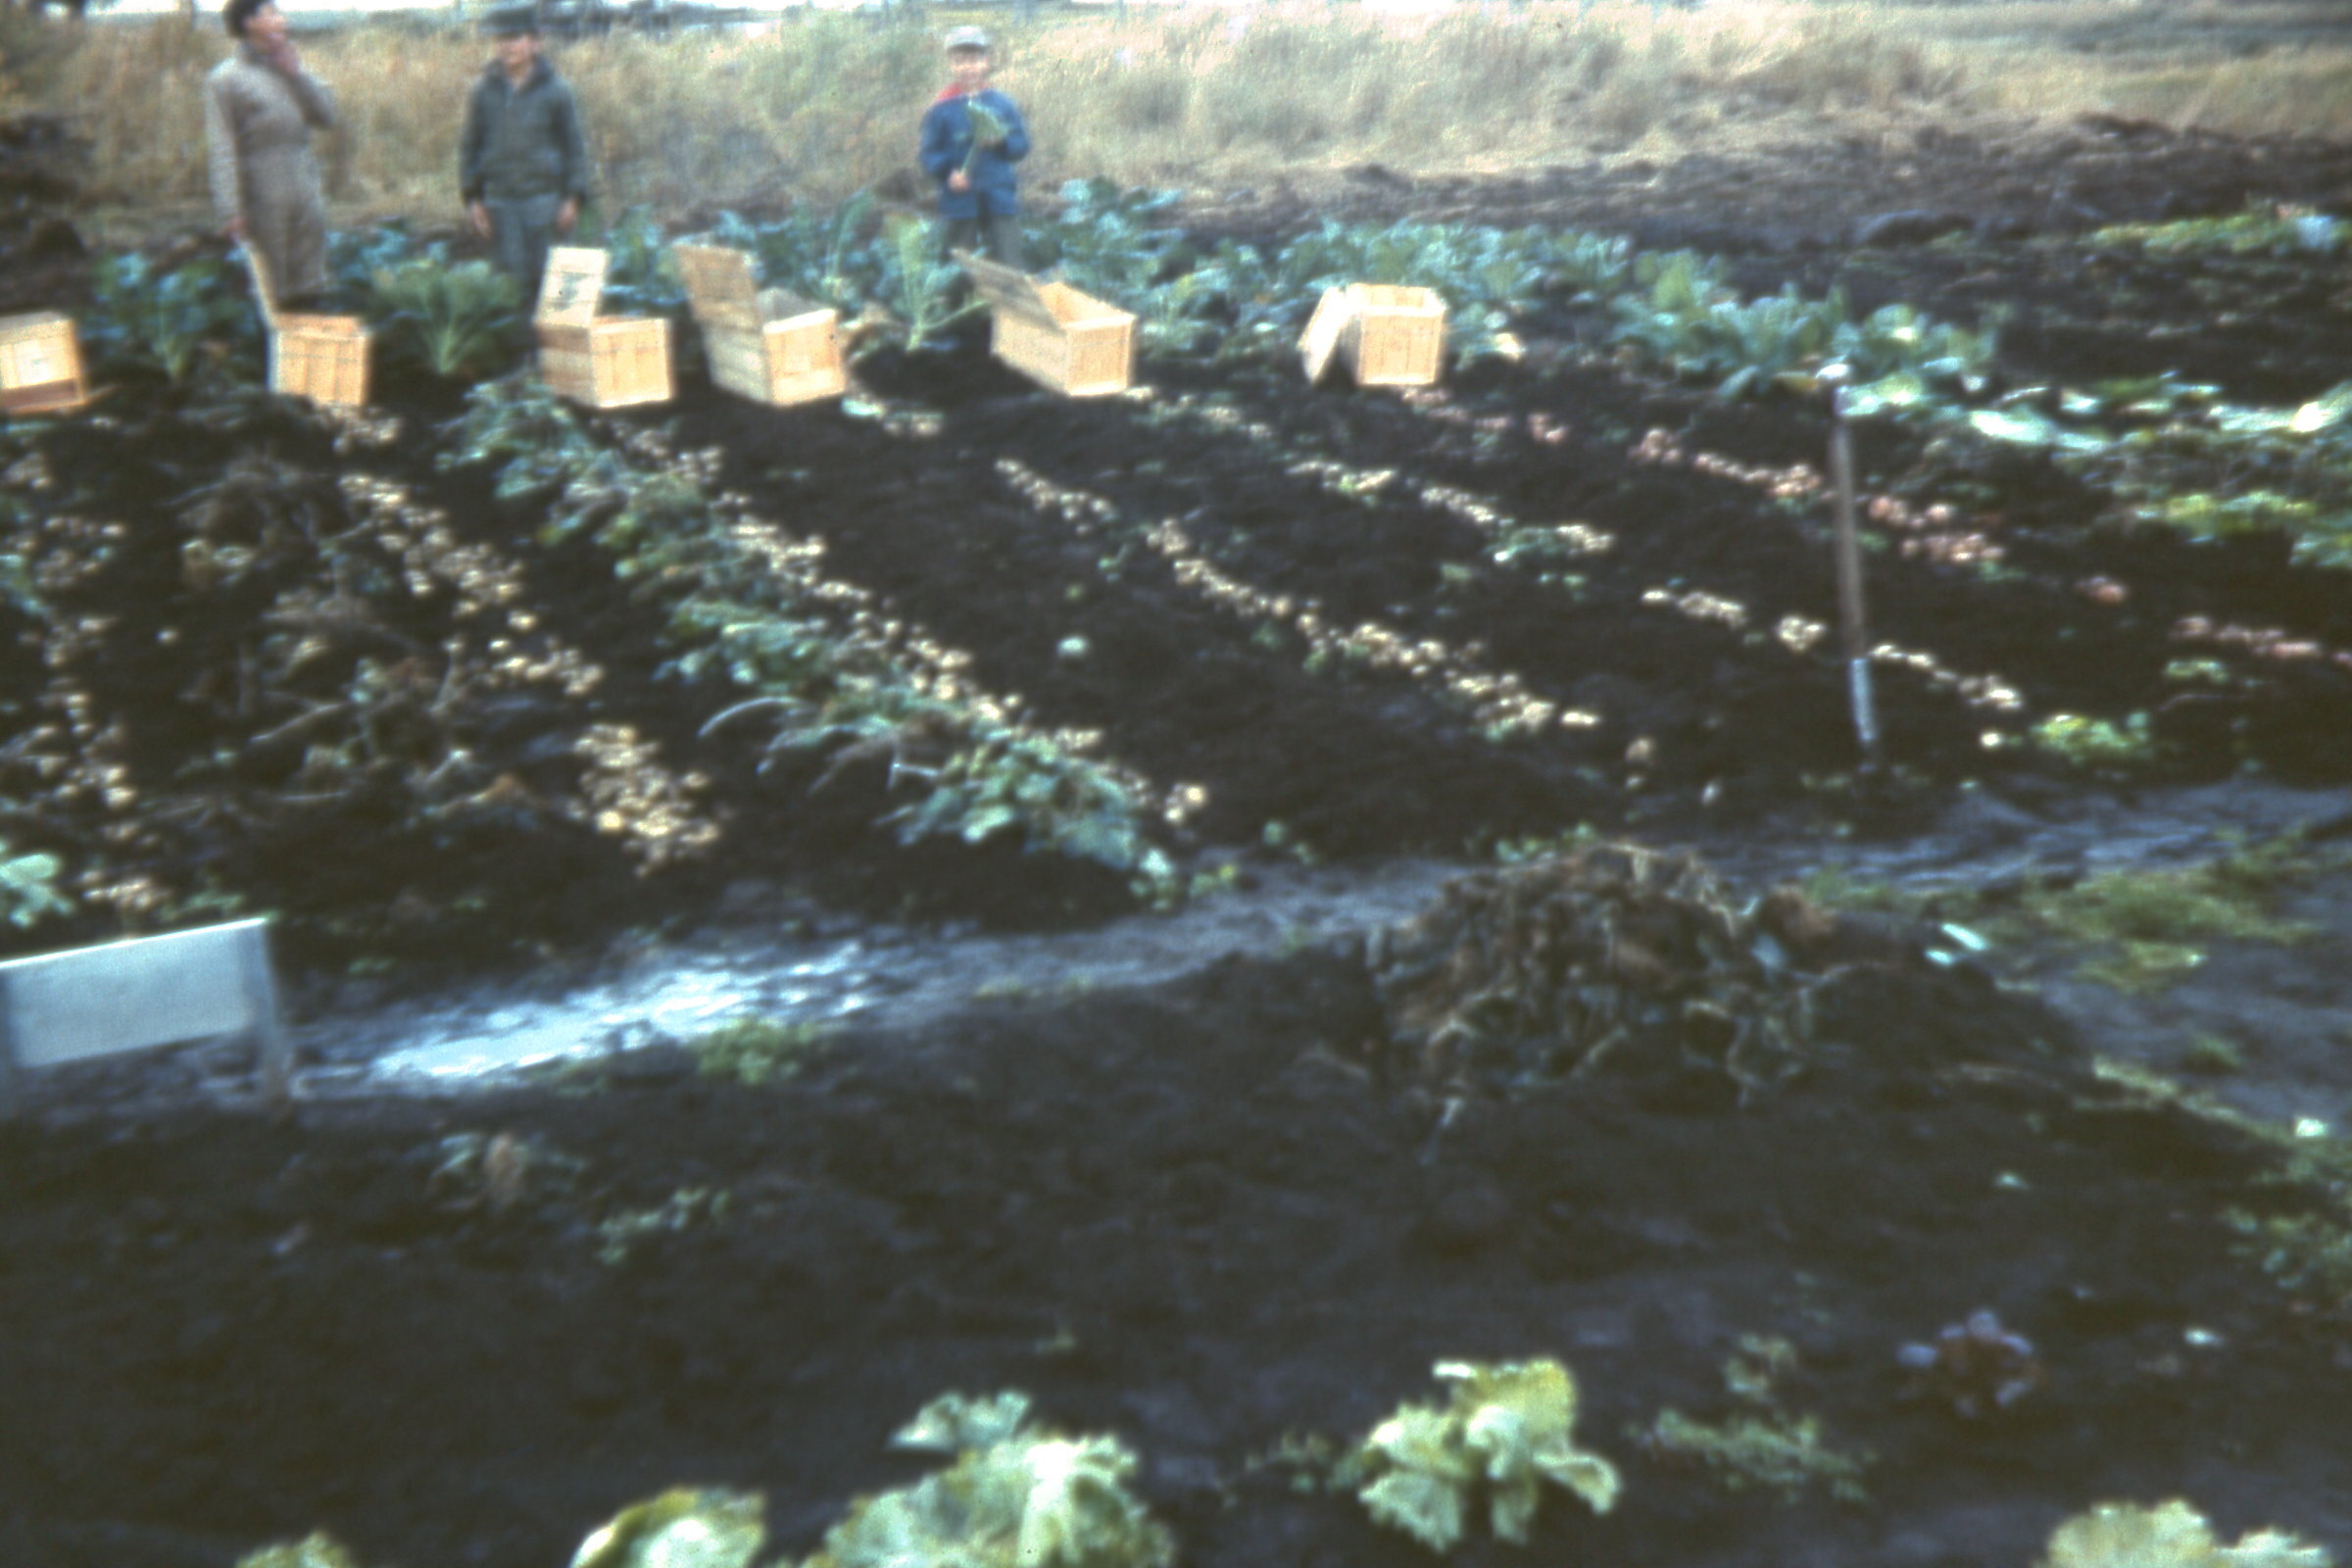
(994, 236)
(521, 229)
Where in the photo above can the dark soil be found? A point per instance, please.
(1200, 1217)
(1210, 1214)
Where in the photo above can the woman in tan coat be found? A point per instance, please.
(260, 108)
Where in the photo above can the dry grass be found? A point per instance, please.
(827, 105)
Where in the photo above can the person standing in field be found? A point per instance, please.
(973, 136)
(522, 156)
(260, 108)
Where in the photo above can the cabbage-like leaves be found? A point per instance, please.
(954, 1422)
(319, 1552)
(2173, 1534)
(682, 1528)
(1509, 1424)
(1423, 1474)
(1014, 1498)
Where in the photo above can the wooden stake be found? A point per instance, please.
(1852, 622)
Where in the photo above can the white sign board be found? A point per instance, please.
(146, 992)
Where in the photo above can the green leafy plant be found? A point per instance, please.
(641, 271)
(2308, 1254)
(921, 288)
(2142, 928)
(28, 889)
(162, 321)
(353, 255)
(2172, 1535)
(2097, 742)
(1016, 1497)
(988, 130)
(1694, 322)
(683, 1528)
(684, 1210)
(833, 257)
(1778, 1453)
(757, 1051)
(457, 320)
(749, 609)
(2272, 232)
(1763, 1444)
(1506, 1425)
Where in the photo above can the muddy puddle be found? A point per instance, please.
(2280, 1005)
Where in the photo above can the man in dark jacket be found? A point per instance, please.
(971, 155)
(522, 159)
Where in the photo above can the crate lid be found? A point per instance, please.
(721, 289)
(1324, 329)
(33, 321)
(1073, 307)
(1008, 291)
(573, 282)
(350, 326)
(1398, 297)
(783, 304)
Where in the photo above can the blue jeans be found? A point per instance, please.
(521, 229)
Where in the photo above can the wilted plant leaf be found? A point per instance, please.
(2172, 1535)
(321, 1550)
(953, 1422)
(1426, 1506)
(1014, 1500)
(1509, 1423)
(682, 1528)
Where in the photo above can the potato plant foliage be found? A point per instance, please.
(750, 613)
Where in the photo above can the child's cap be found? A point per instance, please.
(966, 38)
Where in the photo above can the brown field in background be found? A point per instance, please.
(826, 104)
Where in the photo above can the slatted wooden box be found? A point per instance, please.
(1053, 334)
(1384, 334)
(609, 363)
(323, 358)
(41, 365)
(768, 345)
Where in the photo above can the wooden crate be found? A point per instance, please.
(41, 365)
(323, 358)
(768, 345)
(608, 363)
(1053, 334)
(1385, 334)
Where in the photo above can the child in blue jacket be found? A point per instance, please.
(979, 195)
